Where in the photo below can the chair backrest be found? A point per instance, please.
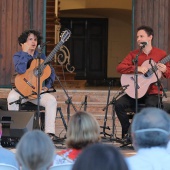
(7, 167)
(62, 167)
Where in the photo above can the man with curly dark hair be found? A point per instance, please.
(29, 40)
(23, 37)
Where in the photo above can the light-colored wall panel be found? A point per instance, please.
(119, 44)
(77, 4)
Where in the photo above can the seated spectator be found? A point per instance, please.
(6, 156)
(100, 157)
(83, 130)
(150, 135)
(35, 151)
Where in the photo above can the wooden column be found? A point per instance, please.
(156, 14)
(15, 17)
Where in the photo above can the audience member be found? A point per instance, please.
(6, 156)
(100, 157)
(150, 135)
(83, 130)
(35, 151)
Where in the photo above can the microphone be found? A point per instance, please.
(44, 44)
(143, 44)
(40, 47)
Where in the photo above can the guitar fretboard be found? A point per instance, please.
(151, 70)
(51, 55)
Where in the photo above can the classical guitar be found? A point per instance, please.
(27, 83)
(144, 80)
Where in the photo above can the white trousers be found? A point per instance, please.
(46, 100)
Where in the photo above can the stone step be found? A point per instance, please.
(96, 102)
(50, 14)
(58, 67)
(51, 3)
(70, 84)
(51, 7)
(50, 27)
(50, 34)
(51, 39)
(65, 76)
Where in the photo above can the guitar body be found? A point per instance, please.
(27, 83)
(143, 81)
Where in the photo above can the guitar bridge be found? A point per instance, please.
(29, 83)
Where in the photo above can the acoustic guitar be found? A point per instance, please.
(144, 80)
(27, 83)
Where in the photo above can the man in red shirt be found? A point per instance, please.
(149, 60)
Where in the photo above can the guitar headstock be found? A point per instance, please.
(65, 35)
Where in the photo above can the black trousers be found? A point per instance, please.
(125, 102)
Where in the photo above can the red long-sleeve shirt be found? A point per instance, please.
(127, 66)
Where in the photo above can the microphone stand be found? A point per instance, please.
(68, 101)
(84, 103)
(19, 101)
(135, 61)
(112, 102)
(40, 49)
(39, 74)
(106, 111)
(159, 84)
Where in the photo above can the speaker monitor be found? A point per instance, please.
(16, 123)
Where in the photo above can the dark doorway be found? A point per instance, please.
(88, 46)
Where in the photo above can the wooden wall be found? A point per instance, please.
(15, 17)
(154, 13)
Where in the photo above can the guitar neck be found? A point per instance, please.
(51, 55)
(65, 35)
(163, 61)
